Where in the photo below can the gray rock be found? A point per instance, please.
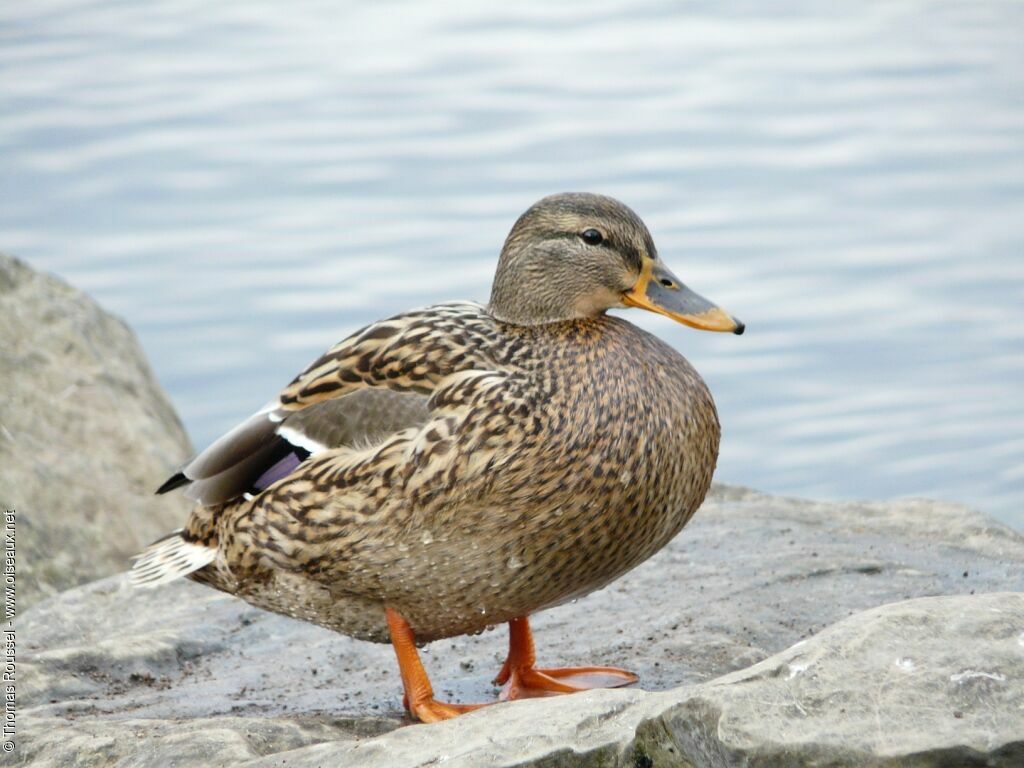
(107, 665)
(890, 686)
(934, 681)
(86, 435)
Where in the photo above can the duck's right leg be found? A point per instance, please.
(523, 679)
(419, 694)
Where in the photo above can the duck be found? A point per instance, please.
(466, 465)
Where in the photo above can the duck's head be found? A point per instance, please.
(578, 255)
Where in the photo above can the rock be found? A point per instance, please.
(86, 435)
(889, 686)
(107, 666)
(934, 681)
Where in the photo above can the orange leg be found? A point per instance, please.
(522, 679)
(419, 695)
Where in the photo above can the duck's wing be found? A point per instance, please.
(260, 451)
(374, 383)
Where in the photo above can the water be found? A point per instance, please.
(246, 183)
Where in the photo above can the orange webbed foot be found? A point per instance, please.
(430, 710)
(531, 682)
(522, 679)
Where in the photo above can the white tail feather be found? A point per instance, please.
(168, 559)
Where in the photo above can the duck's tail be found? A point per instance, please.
(170, 558)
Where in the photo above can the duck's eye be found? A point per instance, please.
(592, 237)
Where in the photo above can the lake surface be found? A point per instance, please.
(246, 183)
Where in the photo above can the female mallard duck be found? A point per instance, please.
(464, 465)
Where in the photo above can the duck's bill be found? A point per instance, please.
(658, 290)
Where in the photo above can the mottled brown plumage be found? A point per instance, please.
(541, 450)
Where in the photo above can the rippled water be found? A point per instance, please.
(248, 182)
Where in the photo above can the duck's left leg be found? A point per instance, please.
(522, 679)
(419, 694)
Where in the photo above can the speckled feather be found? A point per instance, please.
(555, 459)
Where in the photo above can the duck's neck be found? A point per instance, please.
(528, 316)
(543, 302)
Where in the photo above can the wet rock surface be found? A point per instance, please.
(86, 435)
(887, 687)
(109, 668)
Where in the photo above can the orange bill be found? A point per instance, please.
(658, 290)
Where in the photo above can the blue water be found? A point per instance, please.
(248, 182)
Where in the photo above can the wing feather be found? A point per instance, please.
(366, 388)
(230, 468)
